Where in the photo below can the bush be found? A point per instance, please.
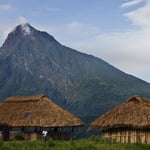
(19, 137)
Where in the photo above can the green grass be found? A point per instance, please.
(92, 143)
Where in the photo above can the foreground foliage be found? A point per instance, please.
(92, 143)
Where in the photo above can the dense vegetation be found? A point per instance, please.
(92, 143)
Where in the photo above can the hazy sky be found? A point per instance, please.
(118, 31)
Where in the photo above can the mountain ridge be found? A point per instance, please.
(33, 62)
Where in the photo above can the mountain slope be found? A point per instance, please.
(33, 62)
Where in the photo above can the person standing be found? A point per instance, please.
(44, 133)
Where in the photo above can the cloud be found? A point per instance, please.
(5, 7)
(140, 17)
(78, 31)
(131, 3)
(73, 31)
(8, 26)
(26, 29)
(22, 20)
(83, 28)
(24, 25)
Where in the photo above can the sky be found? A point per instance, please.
(117, 31)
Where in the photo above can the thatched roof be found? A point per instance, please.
(35, 111)
(134, 113)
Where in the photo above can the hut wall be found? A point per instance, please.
(106, 134)
(12, 134)
(132, 137)
(60, 135)
(113, 135)
(143, 139)
(33, 136)
(148, 137)
(26, 135)
(117, 136)
(38, 135)
(123, 136)
(128, 135)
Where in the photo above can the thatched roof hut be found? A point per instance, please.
(35, 111)
(129, 122)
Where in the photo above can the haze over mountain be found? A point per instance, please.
(34, 62)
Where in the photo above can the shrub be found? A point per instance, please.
(19, 137)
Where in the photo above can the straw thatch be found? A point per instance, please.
(35, 111)
(127, 123)
(133, 113)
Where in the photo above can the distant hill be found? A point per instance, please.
(33, 62)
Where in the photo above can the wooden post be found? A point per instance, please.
(142, 136)
(126, 136)
(135, 136)
(72, 132)
(131, 136)
(118, 136)
(123, 135)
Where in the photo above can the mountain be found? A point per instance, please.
(34, 62)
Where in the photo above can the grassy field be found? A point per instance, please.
(92, 143)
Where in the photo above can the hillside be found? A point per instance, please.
(33, 62)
